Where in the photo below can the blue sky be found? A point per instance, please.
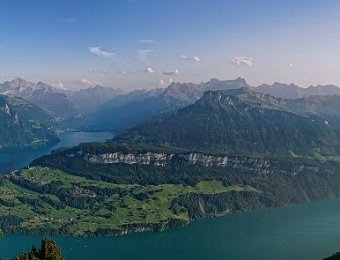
(147, 43)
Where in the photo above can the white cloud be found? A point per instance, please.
(197, 59)
(161, 82)
(194, 58)
(150, 70)
(146, 41)
(104, 54)
(242, 61)
(175, 72)
(184, 57)
(122, 72)
(290, 65)
(145, 55)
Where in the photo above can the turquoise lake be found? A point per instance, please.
(11, 159)
(306, 231)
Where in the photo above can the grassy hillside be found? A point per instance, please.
(51, 201)
(77, 197)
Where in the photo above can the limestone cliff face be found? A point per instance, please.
(162, 159)
(159, 159)
(253, 164)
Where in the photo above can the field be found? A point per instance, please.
(42, 200)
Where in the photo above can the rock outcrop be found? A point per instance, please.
(162, 159)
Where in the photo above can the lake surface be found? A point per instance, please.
(307, 231)
(11, 159)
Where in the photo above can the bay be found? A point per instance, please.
(16, 158)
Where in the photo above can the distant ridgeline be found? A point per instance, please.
(24, 124)
(230, 151)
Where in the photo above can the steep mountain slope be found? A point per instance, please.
(239, 121)
(43, 95)
(22, 124)
(88, 100)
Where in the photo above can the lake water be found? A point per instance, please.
(11, 159)
(308, 231)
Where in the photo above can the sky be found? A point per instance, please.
(134, 44)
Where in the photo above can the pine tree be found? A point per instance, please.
(49, 251)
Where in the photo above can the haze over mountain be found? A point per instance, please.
(23, 124)
(45, 96)
(89, 99)
(328, 107)
(293, 91)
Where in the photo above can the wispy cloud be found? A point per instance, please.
(104, 54)
(122, 72)
(290, 65)
(248, 61)
(146, 41)
(150, 70)
(69, 20)
(194, 58)
(197, 59)
(58, 84)
(169, 73)
(145, 54)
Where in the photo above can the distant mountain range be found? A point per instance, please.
(101, 108)
(24, 124)
(293, 91)
(59, 103)
(43, 95)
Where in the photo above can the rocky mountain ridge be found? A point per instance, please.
(238, 121)
(18, 124)
(41, 94)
